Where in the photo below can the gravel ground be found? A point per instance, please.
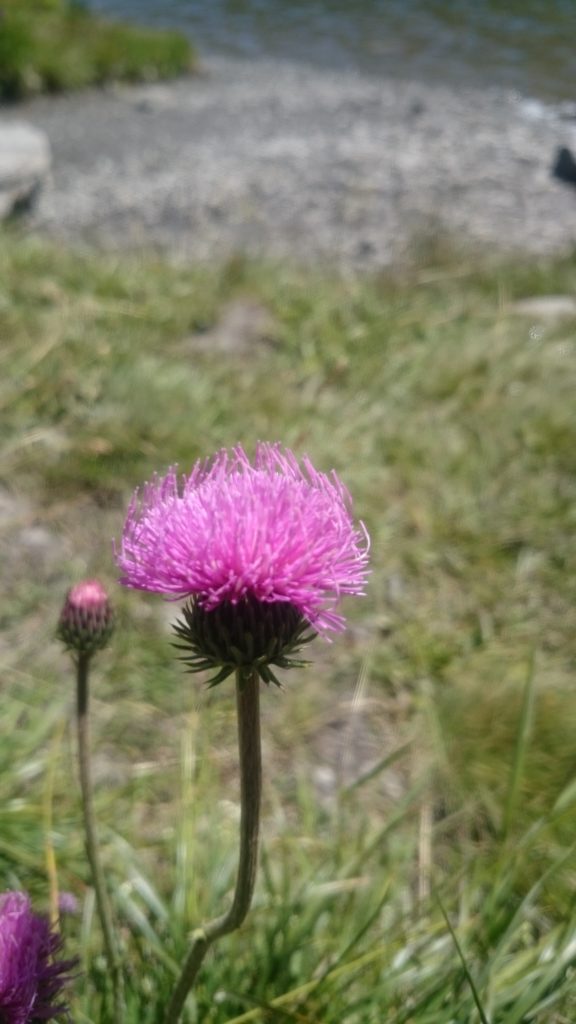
(280, 159)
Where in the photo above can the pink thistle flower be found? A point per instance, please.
(87, 620)
(273, 531)
(241, 534)
(31, 975)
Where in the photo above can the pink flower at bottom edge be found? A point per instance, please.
(32, 977)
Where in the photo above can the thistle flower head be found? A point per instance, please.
(87, 620)
(245, 535)
(32, 977)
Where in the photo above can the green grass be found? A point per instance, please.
(424, 764)
(57, 45)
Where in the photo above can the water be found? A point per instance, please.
(525, 45)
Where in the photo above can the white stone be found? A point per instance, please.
(24, 164)
(545, 307)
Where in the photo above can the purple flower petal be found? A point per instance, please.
(275, 530)
(31, 975)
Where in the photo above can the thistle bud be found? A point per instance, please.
(87, 620)
(67, 904)
(250, 636)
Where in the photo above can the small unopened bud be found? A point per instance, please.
(87, 620)
(67, 903)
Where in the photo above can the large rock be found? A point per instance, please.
(24, 165)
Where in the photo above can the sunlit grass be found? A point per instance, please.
(452, 421)
(57, 45)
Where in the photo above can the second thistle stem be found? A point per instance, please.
(248, 706)
(102, 901)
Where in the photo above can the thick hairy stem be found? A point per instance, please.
(102, 901)
(247, 701)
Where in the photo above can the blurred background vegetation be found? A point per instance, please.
(53, 45)
(420, 775)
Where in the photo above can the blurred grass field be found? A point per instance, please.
(420, 775)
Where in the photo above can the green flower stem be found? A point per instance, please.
(248, 706)
(102, 901)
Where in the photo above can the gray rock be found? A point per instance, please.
(564, 167)
(545, 307)
(24, 165)
(243, 327)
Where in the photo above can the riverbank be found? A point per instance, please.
(282, 160)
